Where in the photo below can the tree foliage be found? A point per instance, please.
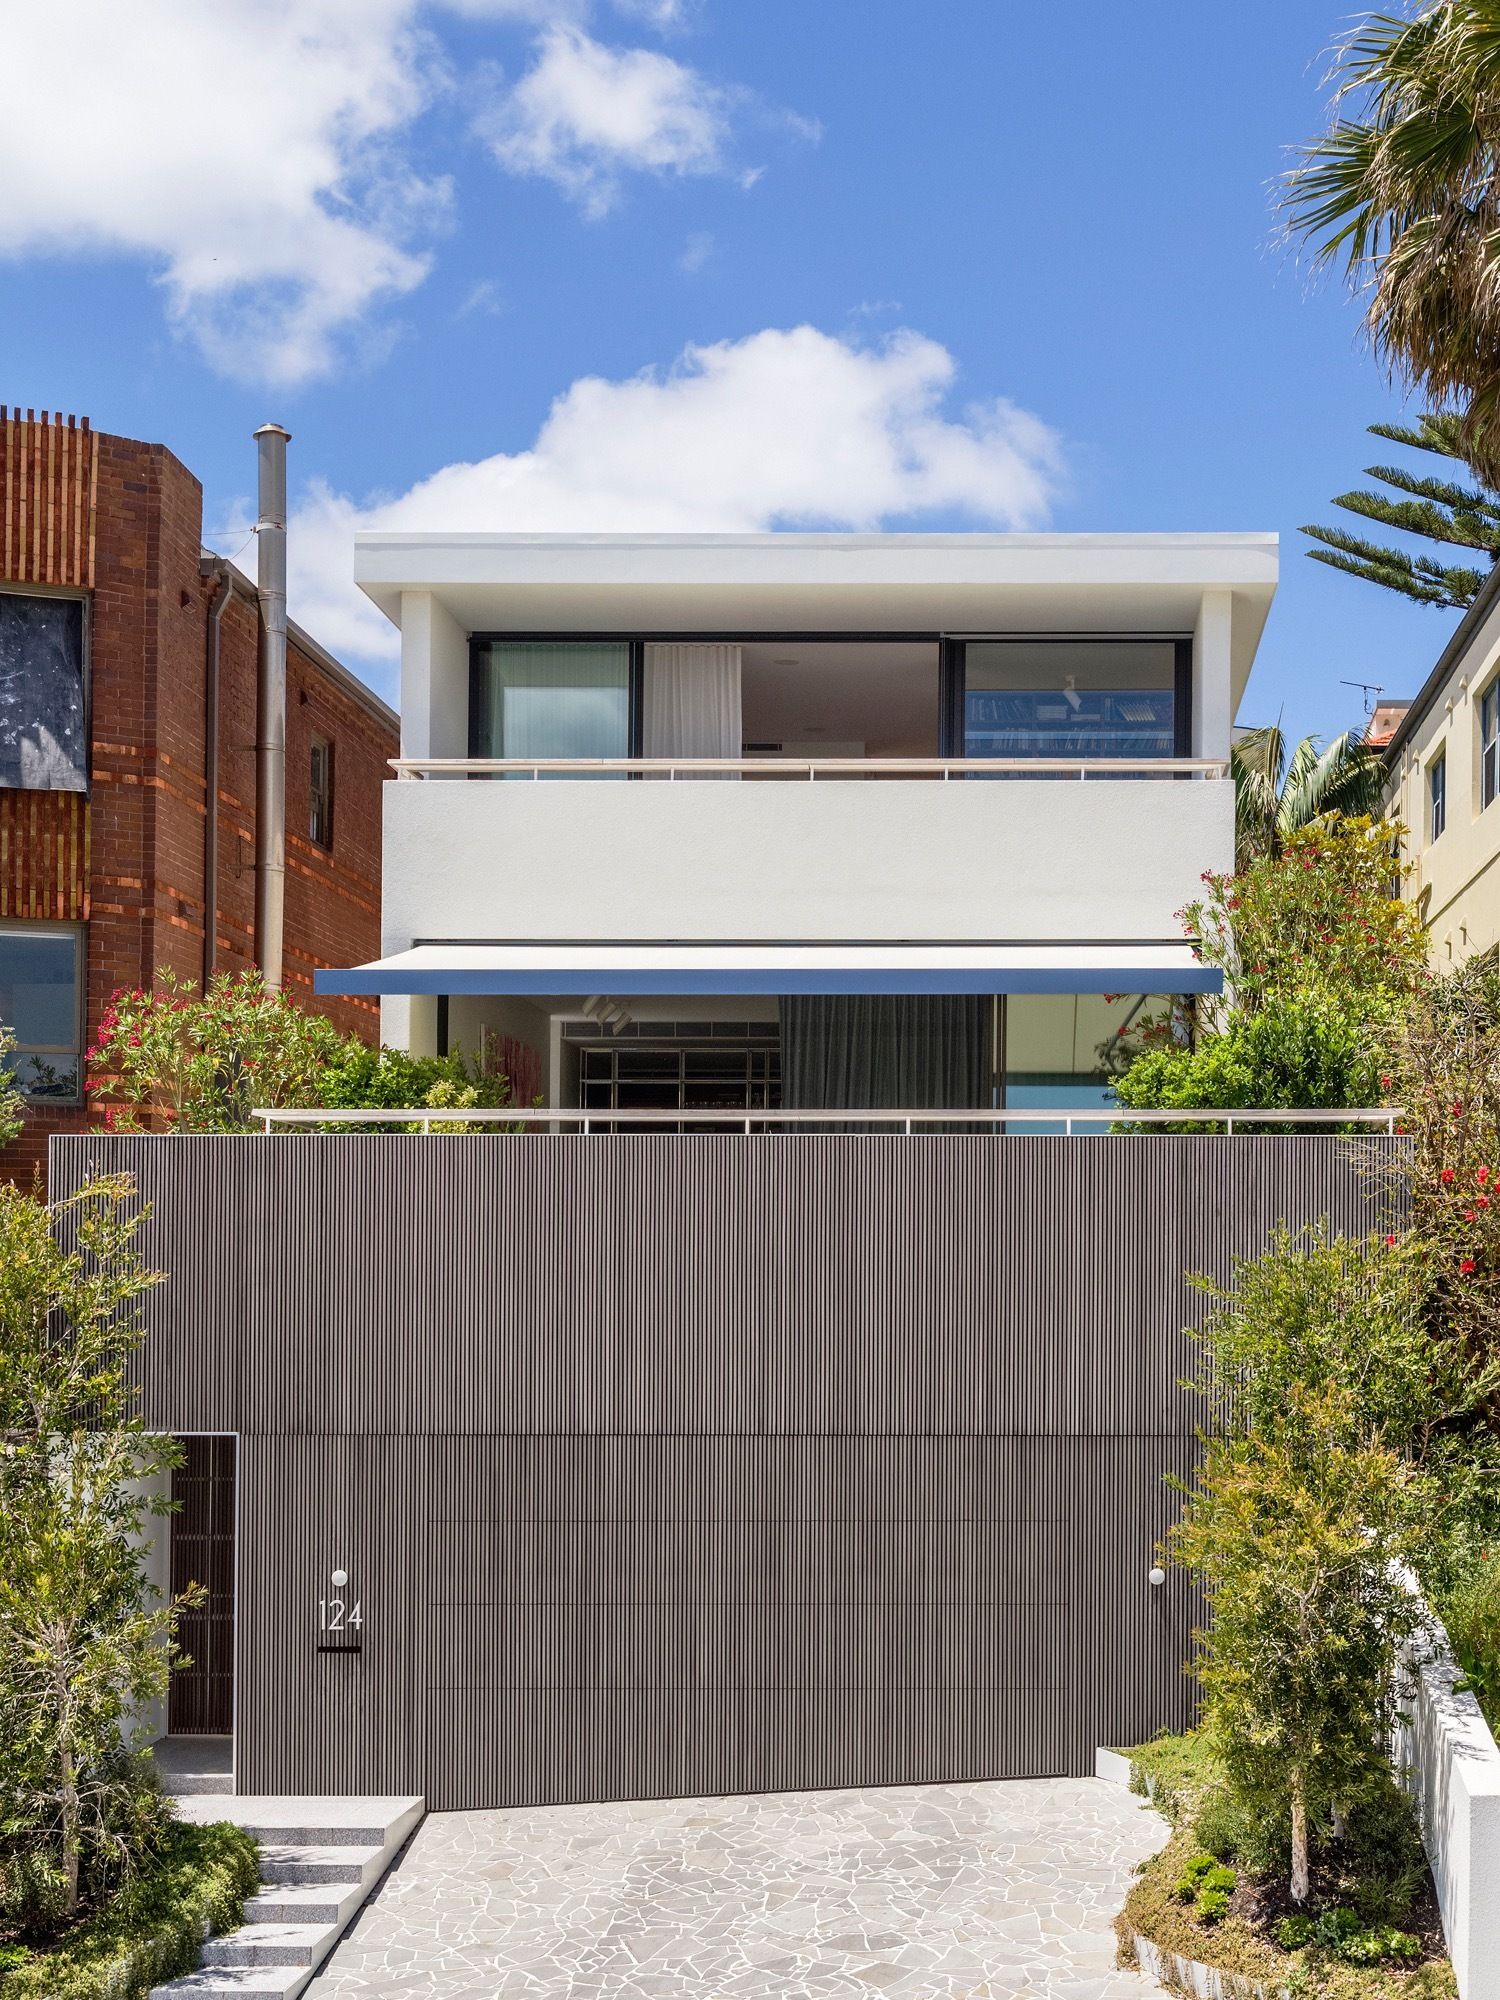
(1278, 793)
(82, 1640)
(1319, 959)
(1463, 516)
(12, 1099)
(1400, 191)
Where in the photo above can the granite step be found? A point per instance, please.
(305, 1903)
(259, 1945)
(320, 1858)
(293, 1863)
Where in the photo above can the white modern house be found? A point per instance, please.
(800, 820)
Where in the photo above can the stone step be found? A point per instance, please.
(305, 1903)
(320, 1857)
(259, 1946)
(227, 1982)
(198, 1784)
(292, 1862)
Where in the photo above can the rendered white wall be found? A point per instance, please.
(1019, 860)
(1213, 697)
(1451, 1766)
(434, 679)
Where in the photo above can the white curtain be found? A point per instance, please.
(692, 702)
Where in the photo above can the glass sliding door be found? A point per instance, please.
(1074, 698)
(550, 698)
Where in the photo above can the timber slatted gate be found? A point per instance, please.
(698, 1463)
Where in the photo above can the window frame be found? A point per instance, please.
(317, 741)
(1437, 796)
(85, 600)
(25, 927)
(954, 677)
(1488, 705)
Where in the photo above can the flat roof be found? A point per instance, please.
(696, 584)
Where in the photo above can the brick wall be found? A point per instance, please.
(137, 850)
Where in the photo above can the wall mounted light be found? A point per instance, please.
(340, 1578)
(1156, 1576)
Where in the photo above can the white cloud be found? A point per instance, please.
(696, 252)
(583, 114)
(785, 428)
(246, 150)
(259, 156)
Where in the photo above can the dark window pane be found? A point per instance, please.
(1094, 698)
(43, 738)
(39, 1003)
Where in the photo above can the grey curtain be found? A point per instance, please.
(897, 1051)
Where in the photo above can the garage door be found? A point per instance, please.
(646, 1617)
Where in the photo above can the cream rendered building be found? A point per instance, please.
(1444, 785)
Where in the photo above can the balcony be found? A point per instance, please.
(832, 849)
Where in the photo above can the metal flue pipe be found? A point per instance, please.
(270, 705)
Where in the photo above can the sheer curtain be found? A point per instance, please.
(885, 1051)
(692, 702)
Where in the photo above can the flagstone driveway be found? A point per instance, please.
(926, 1892)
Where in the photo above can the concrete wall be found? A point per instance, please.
(1451, 1766)
(1457, 875)
(1017, 859)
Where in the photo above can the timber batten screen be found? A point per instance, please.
(699, 1463)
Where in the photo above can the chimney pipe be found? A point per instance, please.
(270, 705)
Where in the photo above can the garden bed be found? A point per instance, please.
(149, 1932)
(1202, 1919)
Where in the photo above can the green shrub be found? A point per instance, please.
(151, 1931)
(1343, 1934)
(1471, 1614)
(1310, 1050)
(361, 1078)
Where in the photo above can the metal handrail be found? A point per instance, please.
(906, 1120)
(809, 767)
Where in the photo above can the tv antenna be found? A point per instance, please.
(1371, 690)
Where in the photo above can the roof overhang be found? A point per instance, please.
(567, 969)
(805, 584)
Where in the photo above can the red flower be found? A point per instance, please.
(1466, 1267)
(1458, 1111)
(1385, 1083)
(1482, 1176)
(1481, 1201)
(1447, 1174)
(1390, 1240)
(1468, 1215)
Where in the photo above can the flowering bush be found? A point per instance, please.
(176, 1060)
(1319, 959)
(1321, 913)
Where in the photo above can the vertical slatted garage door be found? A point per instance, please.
(639, 1617)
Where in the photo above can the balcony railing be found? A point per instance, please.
(1377, 1118)
(810, 768)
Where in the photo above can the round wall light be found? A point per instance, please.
(340, 1578)
(1156, 1576)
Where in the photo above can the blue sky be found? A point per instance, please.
(541, 262)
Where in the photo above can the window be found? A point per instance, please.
(1489, 745)
(320, 793)
(550, 698)
(41, 989)
(43, 718)
(1071, 698)
(1437, 795)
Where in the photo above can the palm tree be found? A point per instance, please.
(1275, 794)
(1404, 190)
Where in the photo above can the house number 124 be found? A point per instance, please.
(341, 1620)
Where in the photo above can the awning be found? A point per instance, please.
(627, 969)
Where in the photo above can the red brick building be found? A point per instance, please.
(128, 665)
